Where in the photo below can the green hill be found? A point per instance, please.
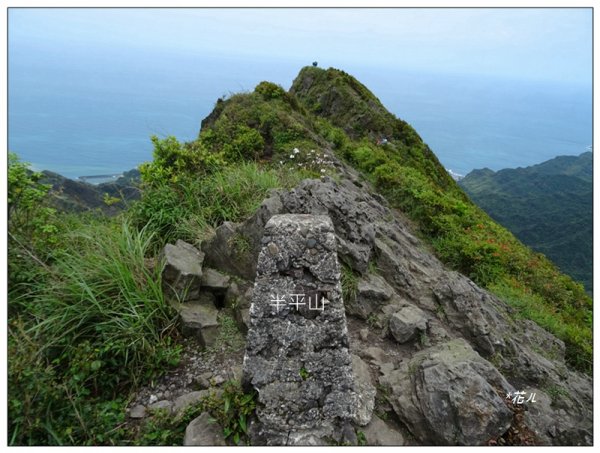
(547, 206)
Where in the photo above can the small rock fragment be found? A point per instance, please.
(138, 411)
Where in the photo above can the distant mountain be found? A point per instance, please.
(547, 206)
(78, 196)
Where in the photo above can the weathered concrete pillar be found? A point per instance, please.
(297, 355)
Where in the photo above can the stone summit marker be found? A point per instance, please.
(297, 355)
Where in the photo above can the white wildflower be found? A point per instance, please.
(322, 170)
(291, 156)
(296, 150)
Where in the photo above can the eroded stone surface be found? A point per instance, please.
(200, 321)
(449, 395)
(378, 433)
(407, 323)
(297, 353)
(203, 431)
(182, 272)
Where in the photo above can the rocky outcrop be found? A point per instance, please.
(379, 433)
(407, 323)
(439, 353)
(182, 274)
(372, 293)
(297, 355)
(200, 321)
(365, 391)
(444, 306)
(449, 395)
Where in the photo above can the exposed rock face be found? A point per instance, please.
(182, 273)
(378, 433)
(407, 323)
(297, 354)
(365, 391)
(214, 281)
(448, 307)
(196, 292)
(200, 321)
(372, 292)
(203, 431)
(449, 395)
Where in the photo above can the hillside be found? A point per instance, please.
(139, 329)
(78, 196)
(547, 206)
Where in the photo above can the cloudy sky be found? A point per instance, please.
(549, 44)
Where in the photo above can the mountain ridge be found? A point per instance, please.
(548, 206)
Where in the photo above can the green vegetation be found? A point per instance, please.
(361, 439)
(96, 325)
(186, 208)
(547, 206)
(349, 282)
(304, 373)
(231, 411)
(230, 338)
(88, 323)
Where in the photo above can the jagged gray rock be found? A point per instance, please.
(214, 281)
(182, 273)
(345, 207)
(378, 433)
(203, 431)
(472, 311)
(372, 292)
(368, 232)
(200, 321)
(449, 395)
(234, 247)
(186, 400)
(365, 391)
(228, 251)
(407, 323)
(239, 297)
(297, 355)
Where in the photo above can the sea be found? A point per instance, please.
(83, 111)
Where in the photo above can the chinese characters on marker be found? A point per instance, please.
(518, 397)
(298, 300)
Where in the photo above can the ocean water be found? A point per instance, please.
(85, 111)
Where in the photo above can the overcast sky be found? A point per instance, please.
(551, 44)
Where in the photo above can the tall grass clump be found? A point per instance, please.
(96, 330)
(195, 204)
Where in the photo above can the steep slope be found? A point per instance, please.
(547, 206)
(433, 338)
(345, 102)
(326, 113)
(407, 173)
